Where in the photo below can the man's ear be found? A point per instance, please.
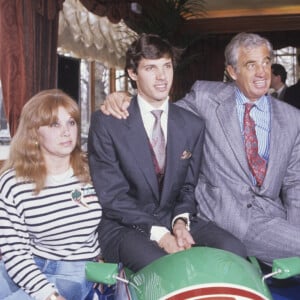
(132, 74)
(230, 70)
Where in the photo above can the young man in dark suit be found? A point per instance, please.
(148, 196)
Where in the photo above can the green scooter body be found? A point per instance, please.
(197, 273)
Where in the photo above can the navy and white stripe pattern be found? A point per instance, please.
(53, 224)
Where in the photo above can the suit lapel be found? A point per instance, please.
(278, 135)
(139, 146)
(176, 136)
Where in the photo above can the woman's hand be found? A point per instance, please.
(55, 296)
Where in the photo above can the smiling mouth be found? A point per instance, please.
(161, 87)
(260, 83)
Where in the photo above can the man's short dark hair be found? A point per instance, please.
(278, 69)
(149, 46)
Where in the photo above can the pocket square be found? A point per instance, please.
(186, 154)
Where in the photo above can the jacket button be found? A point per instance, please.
(249, 205)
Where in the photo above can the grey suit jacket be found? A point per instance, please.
(225, 191)
(123, 172)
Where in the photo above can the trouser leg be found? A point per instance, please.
(136, 250)
(269, 238)
(210, 235)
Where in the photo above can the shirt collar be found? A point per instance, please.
(280, 89)
(262, 103)
(145, 107)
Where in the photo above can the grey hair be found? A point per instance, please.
(245, 40)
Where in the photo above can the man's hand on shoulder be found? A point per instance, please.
(116, 104)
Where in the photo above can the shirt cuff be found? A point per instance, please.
(157, 232)
(184, 216)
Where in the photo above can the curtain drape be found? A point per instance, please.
(114, 10)
(28, 59)
(85, 35)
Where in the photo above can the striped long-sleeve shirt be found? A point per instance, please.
(59, 223)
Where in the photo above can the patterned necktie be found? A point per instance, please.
(256, 163)
(158, 140)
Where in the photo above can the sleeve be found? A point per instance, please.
(290, 191)
(186, 202)
(192, 100)
(15, 248)
(157, 232)
(185, 218)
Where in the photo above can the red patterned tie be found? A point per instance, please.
(256, 163)
(158, 139)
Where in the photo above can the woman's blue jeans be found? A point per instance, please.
(67, 276)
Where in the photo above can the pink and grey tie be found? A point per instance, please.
(158, 139)
(257, 164)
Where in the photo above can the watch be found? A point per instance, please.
(54, 296)
(182, 219)
(185, 220)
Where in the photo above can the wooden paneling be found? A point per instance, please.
(238, 24)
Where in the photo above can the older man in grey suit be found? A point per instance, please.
(250, 177)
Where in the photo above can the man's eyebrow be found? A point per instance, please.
(148, 65)
(253, 61)
(249, 62)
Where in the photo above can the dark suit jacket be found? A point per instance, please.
(292, 95)
(123, 172)
(282, 94)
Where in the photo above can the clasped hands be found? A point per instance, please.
(181, 239)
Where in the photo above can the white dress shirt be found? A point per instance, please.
(149, 119)
(157, 232)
